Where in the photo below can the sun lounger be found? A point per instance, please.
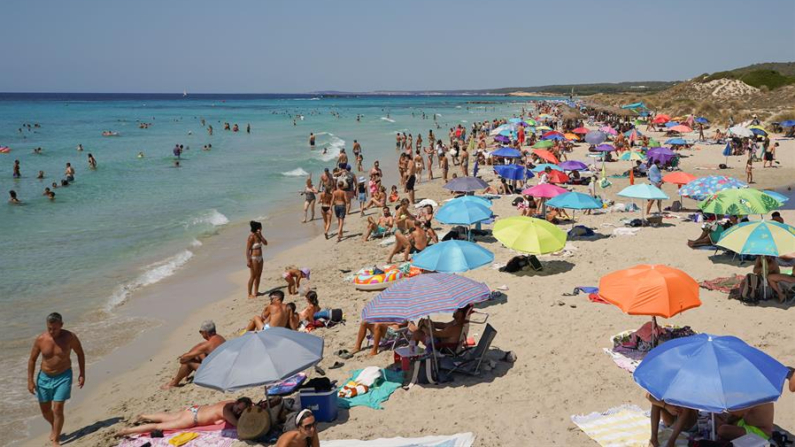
(470, 360)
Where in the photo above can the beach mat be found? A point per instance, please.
(378, 393)
(623, 426)
(206, 438)
(457, 440)
(723, 284)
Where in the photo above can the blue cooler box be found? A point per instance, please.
(323, 405)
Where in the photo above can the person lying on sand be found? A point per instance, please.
(379, 331)
(756, 420)
(677, 418)
(305, 434)
(275, 314)
(193, 416)
(191, 360)
(380, 227)
(443, 333)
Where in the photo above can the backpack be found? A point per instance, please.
(422, 371)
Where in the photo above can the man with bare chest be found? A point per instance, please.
(53, 385)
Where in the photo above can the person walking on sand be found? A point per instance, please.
(749, 171)
(254, 260)
(53, 385)
(309, 200)
(191, 360)
(444, 164)
(655, 177)
(464, 157)
(325, 209)
(340, 201)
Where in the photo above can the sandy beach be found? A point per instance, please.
(561, 369)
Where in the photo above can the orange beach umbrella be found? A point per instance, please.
(679, 178)
(653, 290)
(546, 155)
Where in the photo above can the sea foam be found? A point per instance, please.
(298, 172)
(153, 273)
(383, 118)
(210, 217)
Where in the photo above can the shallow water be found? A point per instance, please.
(134, 221)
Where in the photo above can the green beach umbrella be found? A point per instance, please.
(632, 156)
(529, 235)
(739, 202)
(543, 144)
(761, 238)
(654, 143)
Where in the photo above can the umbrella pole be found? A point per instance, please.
(653, 332)
(433, 347)
(713, 427)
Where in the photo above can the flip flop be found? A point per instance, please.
(344, 354)
(320, 371)
(336, 365)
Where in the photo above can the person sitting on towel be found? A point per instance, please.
(193, 416)
(443, 333)
(677, 418)
(305, 434)
(191, 360)
(756, 420)
(554, 215)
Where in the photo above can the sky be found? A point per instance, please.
(297, 46)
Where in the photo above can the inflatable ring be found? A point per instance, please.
(365, 280)
(4, 149)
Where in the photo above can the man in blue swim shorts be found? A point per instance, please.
(53, 385)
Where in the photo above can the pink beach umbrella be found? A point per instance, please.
(608, 130)
(681, 128)
(544, 190)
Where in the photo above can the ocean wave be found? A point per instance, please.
(196, 243)
(211, 217)
(306, 99)
(297, 172)
(383, 118)
(334, 144)
(153, 273)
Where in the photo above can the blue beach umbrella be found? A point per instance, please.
(757, 131)
(259, 358)
(543, 166)
(595, 137)
(507, 152)
(788, 123)
(676, 141)
(513, 172)
(670, 124)
(424, 295)
(711, 373)
(462, 213)
(702, 120)
(475, 199)
(761, 238)
(465, 184)
(506, 133)
(575, 201)
(643, 191)
(452, 257)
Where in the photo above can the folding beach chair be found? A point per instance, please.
(464, 342)
(401, 338)
(470, 360)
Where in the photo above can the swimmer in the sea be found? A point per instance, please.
(140, 155)
(41, 175)
(13, 198)
(92, 162)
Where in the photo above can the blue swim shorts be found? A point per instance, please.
(54, 388)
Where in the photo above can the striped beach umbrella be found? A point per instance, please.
(424, 295)
(768, 238)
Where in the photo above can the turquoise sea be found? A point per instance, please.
(134, 221)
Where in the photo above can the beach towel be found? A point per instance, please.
(723, 284)
(377, 394)
(205, 438)
(287, 385)
(457, 440)
(625, 358)
(623, 231)
(623, 426)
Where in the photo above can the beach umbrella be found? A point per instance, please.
(558, 177)
(575, 201)
(515, 120)
(513, 172)
(679, 178)
(496, 131)
(702, 120)
(643, 191)
(595, 137)
(758, 131)
(671, 124)
(580, 130)
(502, 139)
(259, 358)
(424, 295)
(551, 133)
(661, 154)
(573, 165)
(608, 130)
(704, 187)
(739, 202)
(740, 131)
(787, 123)
(571, 136)
(507, 152)
(543, 144)
(681, 129)
(632, 156)
(652, 290)
(543, 128)
(761, 238)
(530, 122)
(546, 155)
(605, 148)
(780, 197)
(529, 235)
(676, 141)
(544, 116)
(544, 191)
(457, 212)
(452, 256)
(712, 373)
(476, 199)
(506, 133)
(553, 137)
(544, 166)
(661, 119)
(466, 184)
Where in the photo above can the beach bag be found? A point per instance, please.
(676, 206)
(750, 289)
(420, 371)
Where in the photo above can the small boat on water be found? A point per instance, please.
(4, 149)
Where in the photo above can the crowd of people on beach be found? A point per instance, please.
(411, 222)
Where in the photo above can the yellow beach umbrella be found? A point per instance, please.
(529, 235)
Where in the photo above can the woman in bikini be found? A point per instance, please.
(312, 307)
(254, 257)
(340, 202)
(325, 209)
(293, 275)
(193, 416)
(309, 200)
